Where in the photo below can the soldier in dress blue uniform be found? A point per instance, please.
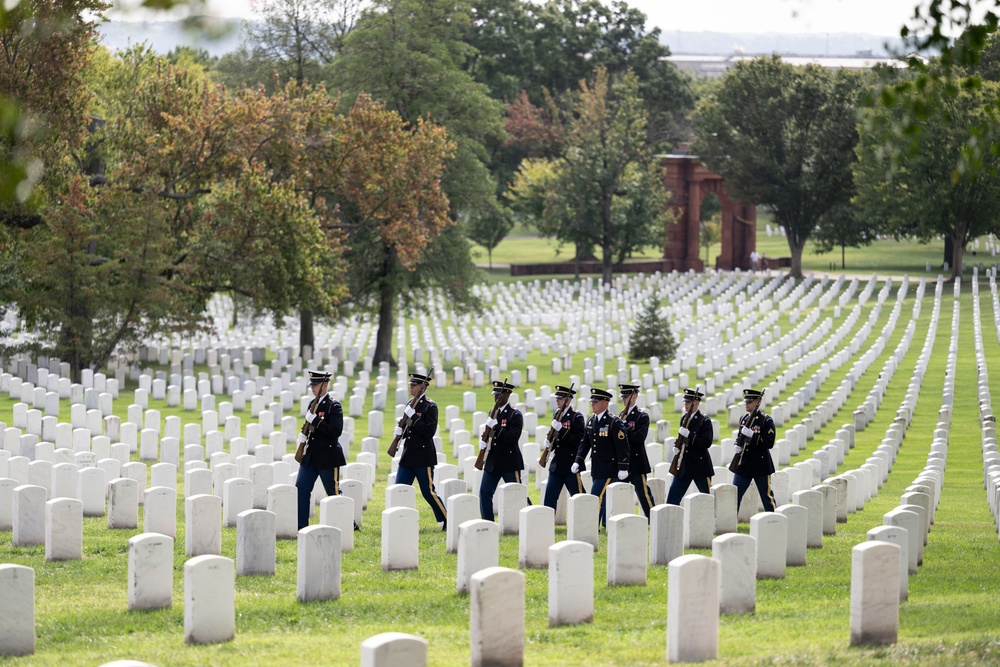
(756, 464)
(570, 431)
(696, 464)
(321, 434)
(503, 459)
(636, 428)
(605, 440)
(419, 453)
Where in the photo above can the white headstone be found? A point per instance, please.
(536, 534)
(160, 513)
(771, 532)
(338, 511)
(582, 515)
(400, 538)
(627, 550)
(150, 571)
(63, 529)
(571, 583)
(478, 549)
(255, 543)
(392, 649)
(203, 525)
(875, 593)
(496, 624)
(209, 600)
(319, 563)
(17, 613)
(693, 609)
(737, 556)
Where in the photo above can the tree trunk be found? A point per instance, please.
(957, 255)
(796, 247)
(386, 317)
(843, 264)
(489, 253)
(949, 250)
(306, 336)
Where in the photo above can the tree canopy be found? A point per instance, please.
(783, 136)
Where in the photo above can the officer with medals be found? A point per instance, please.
(636, 428)
(753, 455)
(569, 434)
(503, 460)
(608, 447)
(696, 463)
(419, 453)
(323, 455)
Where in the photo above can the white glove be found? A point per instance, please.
(301, 438)
(623, 475)
(677, 451)
(683, 431)
(491, 422)
(747, 431)
(557, 425)
(408, 411)
(482, 445)
(575, 468)
(310, 417)
(737, 448)
(397, 431)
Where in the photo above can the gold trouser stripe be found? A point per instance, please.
(645, 492)
(600, 496)
(517, 476)
(336, 481)
(770, 494)
(708, 480)
(579, 483)
(434, 495)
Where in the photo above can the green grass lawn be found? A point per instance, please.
(885, 256)
(951, 618)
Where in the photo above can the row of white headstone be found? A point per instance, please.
(991, 455)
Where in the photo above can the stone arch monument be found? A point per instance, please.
(688, 181)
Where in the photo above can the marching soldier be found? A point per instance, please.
(608, 447)
(419, 453)
(636, 427)
(754, 462)
(503, 459)
(323, 454)
(570, 431)
(696, 463)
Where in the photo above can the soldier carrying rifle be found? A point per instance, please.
(694, 437)
(501, 455)
(567, 431)
(752, 462)
(420, 421)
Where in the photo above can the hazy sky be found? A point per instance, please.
(879, 17)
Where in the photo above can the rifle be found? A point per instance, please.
(553, 437)
(487, 432)
(406, 422)
(681, 443)
(307, 426)
(742, 440)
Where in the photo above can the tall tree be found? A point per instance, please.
(607, 187)
(409, 54)
(919, 192)
(783, 136)
(298, 37)
(845, 227)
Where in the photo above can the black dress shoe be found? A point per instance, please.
(356, 526)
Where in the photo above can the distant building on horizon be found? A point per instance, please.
(713, 66)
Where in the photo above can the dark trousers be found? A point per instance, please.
(306, 480)
(425, 478)
(763, 483)
(489, 486)
(680, 486)
(554, 486)
(599, 489)
(642, 492)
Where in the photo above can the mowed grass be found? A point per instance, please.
(952, 616)
(884, 256)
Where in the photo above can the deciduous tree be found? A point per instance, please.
(783, 136)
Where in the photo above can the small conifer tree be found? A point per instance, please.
(651, 335)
